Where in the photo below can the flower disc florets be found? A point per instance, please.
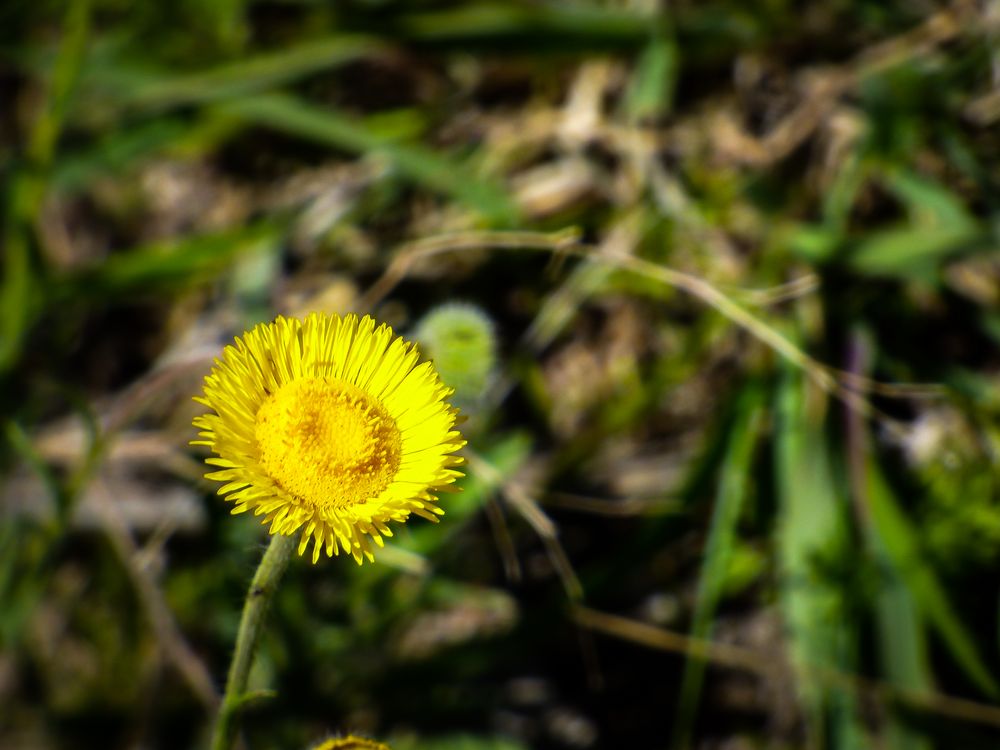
(327, 442)
(329, 424)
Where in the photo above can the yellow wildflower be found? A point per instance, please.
(329, 425)
(351, 743)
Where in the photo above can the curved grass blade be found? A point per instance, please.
(417, 163)
(248, 75)
(170, 264)
(734, 482)
(812, 542)
(19, 289)
(898, 538)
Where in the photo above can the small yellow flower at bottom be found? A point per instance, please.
(350, 743)
(332, 426)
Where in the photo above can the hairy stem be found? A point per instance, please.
(262, 588)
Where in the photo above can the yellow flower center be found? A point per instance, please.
(327, 442)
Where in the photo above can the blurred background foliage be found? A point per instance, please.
(718, 286)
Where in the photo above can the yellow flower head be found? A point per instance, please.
(351, 743)
(330, 424)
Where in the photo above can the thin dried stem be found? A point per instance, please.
(849, 388)
(748, 660)
(532, 512)
(176, 650)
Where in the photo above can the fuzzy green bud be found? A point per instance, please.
(461, 340)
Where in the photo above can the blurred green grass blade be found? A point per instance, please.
(418, 164)
(65, 75)
(939, 228)
(651, 91)
(170, 264)
(74, 172)
(18, 305)
(913, 252)
(506, 454)
(16, 293)
(840, 196)
(540, 28)
(26, 545)
(813, 242)
(20, 442)
(734, 480)
(588, 279)
(173, 137)
(812, 540)
(929, 203)
(563, 304)
(555, 24)
(22, 578)
(902, 648)
(901, 545)
(240, 78)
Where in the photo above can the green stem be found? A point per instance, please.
(262, 588)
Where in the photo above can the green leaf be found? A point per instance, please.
(173, 263)
(247, 75)
(555, 25)
(734, 482)
(839, 197)
(814, 243)
(913, 252)
(902, 647)
(416, 163)
(939, 228)
(928, 203)
(812, 541)
(75, 171)
(651, 90)
(19, 290)
(900, 541)
(17, 295)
